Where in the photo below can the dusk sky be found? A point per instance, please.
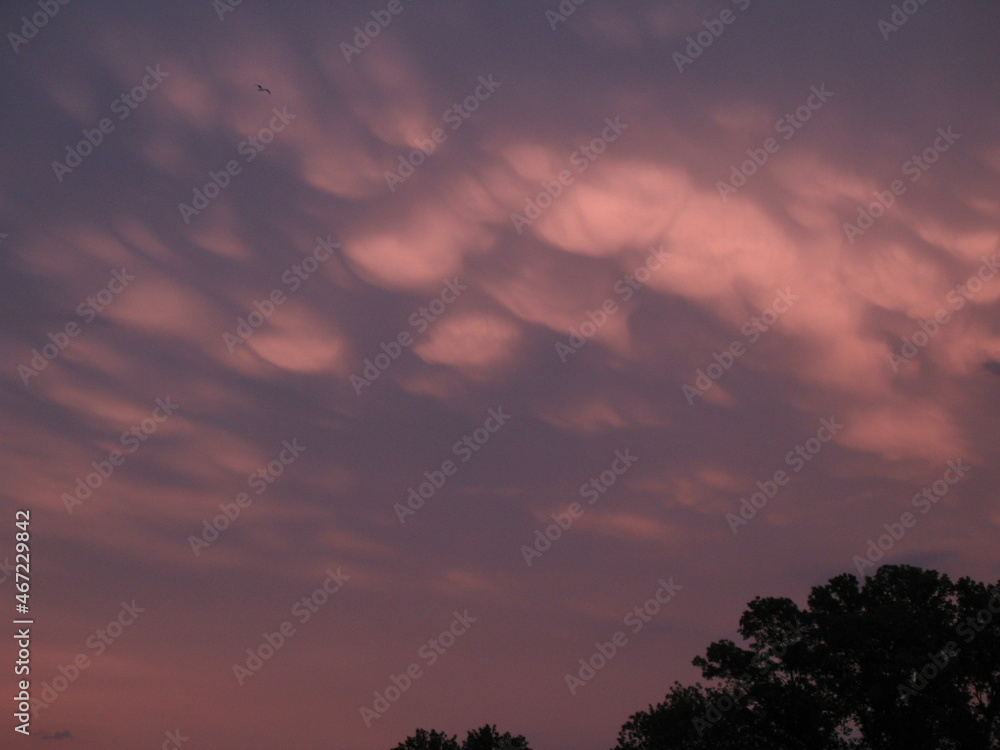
(330, 328)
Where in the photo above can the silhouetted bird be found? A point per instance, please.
(261, 88)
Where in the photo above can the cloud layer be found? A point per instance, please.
(639, 227)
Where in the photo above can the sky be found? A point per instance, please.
(487, 338)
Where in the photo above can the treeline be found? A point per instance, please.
(905, 659)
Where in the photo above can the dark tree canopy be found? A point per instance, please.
(906, 659)
(485, 738)
(488, 738)
(432, 740)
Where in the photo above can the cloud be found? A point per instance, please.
(63, 735)
(655, 186)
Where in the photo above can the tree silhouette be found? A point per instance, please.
(906, 659)
(488, 738)
(485, 738)
(432, 740)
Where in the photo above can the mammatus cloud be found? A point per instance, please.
(482, 208)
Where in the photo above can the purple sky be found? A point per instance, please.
(637, 274)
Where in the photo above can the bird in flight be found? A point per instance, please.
(261, 88)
